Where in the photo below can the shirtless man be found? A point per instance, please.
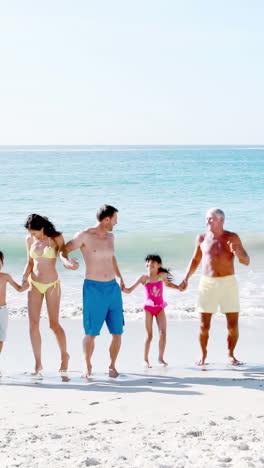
(102, 299)
(217, 249)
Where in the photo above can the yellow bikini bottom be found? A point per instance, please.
(43, 287)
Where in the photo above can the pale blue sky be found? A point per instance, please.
(131, 72)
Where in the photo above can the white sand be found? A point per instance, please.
(179, 416)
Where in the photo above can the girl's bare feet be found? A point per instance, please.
(232, 360)
(147, 364)
(162, 362)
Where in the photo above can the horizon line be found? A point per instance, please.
(129, 145)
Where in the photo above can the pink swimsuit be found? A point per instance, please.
(154, 301)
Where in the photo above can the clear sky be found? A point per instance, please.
(131, 72)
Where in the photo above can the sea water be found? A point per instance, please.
(162, 194)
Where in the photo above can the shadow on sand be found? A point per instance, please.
(170, 381)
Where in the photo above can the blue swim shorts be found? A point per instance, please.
(102, 301)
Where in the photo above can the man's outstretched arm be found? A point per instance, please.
(194, 262)
(74, 244)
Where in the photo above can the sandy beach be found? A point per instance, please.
(179, 416)
(143, 120)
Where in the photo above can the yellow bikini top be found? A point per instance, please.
(48, 252)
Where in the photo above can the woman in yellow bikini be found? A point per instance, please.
(43, 245)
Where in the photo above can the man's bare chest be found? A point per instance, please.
(99, 247)
(214, 247)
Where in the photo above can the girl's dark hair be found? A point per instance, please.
(1, 257)
(37, 222)
(157, 258)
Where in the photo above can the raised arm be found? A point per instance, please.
(140, 280)
(74, 244)
(238, 250)
(194, 262)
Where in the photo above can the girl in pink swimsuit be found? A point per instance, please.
(154, 304)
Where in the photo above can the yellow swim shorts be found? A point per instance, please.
(220, 291)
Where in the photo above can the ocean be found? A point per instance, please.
(162, 194)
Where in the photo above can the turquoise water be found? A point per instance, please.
(156, 189)
(162, 194)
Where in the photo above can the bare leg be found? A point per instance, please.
(35, 299)
(162, 326)
(149, 330)
(88, 349)
(205, 322)
(53, 306)
(114, 350)
(1, 347)
(232, 336)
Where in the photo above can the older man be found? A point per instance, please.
(217, 249)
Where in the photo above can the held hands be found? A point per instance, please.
(183, 285)
(122, 285)
(24, 286)
(71, 264)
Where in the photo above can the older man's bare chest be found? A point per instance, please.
(214, 247)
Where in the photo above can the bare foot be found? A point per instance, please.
(147, 364)
(64, 363)
(113, 372)
(37, 371)
(232, 360)
(201, 362)
(87, 373)
(162, 362)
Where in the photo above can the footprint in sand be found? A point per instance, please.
(225, 459)
(55, 436)
(212, 423)
(89, 462)
(112, 421)
(195, 433)
(122, 458)
(243, 446)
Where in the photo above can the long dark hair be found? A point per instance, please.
(1, 257)
(157, 258)
(37, 222)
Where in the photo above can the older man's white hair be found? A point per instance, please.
(217, 211)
